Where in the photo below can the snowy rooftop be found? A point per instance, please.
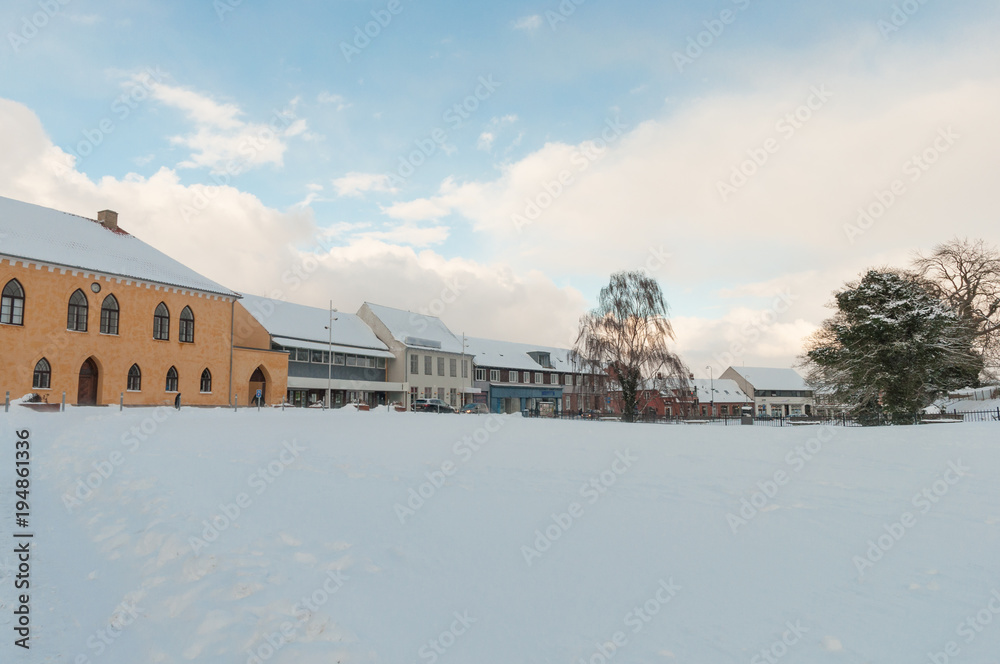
(767, 378)
(726, 391)
(43, 234)
(297, 321)
(417, 330)
(510, 355)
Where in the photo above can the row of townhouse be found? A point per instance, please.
(95, 314)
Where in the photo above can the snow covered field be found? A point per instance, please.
(320, 537)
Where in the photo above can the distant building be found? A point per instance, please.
(429, 362)
(775, 392)
(355, 372)
(721, 397)
(515, 377)
(91, 311)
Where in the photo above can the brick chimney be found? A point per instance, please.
(108, 219)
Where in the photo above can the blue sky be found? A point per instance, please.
(555, 80)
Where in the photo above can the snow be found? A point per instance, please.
(49, 236)
(412, 329)
(303, 323)
(641, 521)
(509, 355)
(726, 390)
(768, 378)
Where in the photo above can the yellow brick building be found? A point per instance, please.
(93, 312)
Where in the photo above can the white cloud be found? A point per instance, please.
(355, 184)
(222, 140)
(485, 141)
(233, 238)
(528, 23)
(337, 101)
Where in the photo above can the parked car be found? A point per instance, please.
(475, 408)
(432, 406)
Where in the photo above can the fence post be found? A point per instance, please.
(236, 402)
(121, 402)
(62, 407)
(6, 403)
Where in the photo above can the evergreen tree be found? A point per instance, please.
(892, 347)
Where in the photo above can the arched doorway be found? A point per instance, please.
(86, 394)
(258, 381)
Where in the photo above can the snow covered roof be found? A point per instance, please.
(511, 355)
(767, 378)
(417, 330)
(299, 322)
(285, 342)
(726, 391)
(42, 234)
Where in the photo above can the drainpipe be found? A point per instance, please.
(232, 339)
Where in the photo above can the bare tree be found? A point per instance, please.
(626, 335)
(966, 274)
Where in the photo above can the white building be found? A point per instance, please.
(332, 365)
(429, 361)
(775, 392)
(721, 397)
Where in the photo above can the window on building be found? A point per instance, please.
(454, 397)
(441, 393)
(352, 360)
(428, 366)
(76, 316)
(428, 392)
(512, 376)
(465, 368)
(109, 315)
(441, 367)
(495, 375)
(206, 381)
(568, 379)
(526, 377)
(186, 332)
(413, 395)
(414, 364)
(161, 322)
(134, 379)
(340, 359)
(538, 379)
(171, 379)
(302, 355)
(555, 379)
(453, 368)
(12, 304)
(381, 363)
(481, 374)
(42, 379)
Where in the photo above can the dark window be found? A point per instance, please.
(414, 364)
(109, 315)
(43, 375)
(428, 365)
(161, 322)
(206, 381)
(134, 379)
(186, 332)
(76, 316)
(171, 379)
(12, 304)
(453, 367)
(441, 368)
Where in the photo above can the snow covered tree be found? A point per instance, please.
(627, 334)
(966, 274)
(892, 347)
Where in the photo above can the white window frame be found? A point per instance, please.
(494, 375)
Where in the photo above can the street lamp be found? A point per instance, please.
(711, 379)
(329, 359)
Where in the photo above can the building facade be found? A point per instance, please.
(90, 312)
(775, 392)
(334, 358)
(429, 362)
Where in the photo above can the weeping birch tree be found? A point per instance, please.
(627, 337)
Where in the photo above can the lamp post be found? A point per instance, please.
(711, 380)
(329, 359)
